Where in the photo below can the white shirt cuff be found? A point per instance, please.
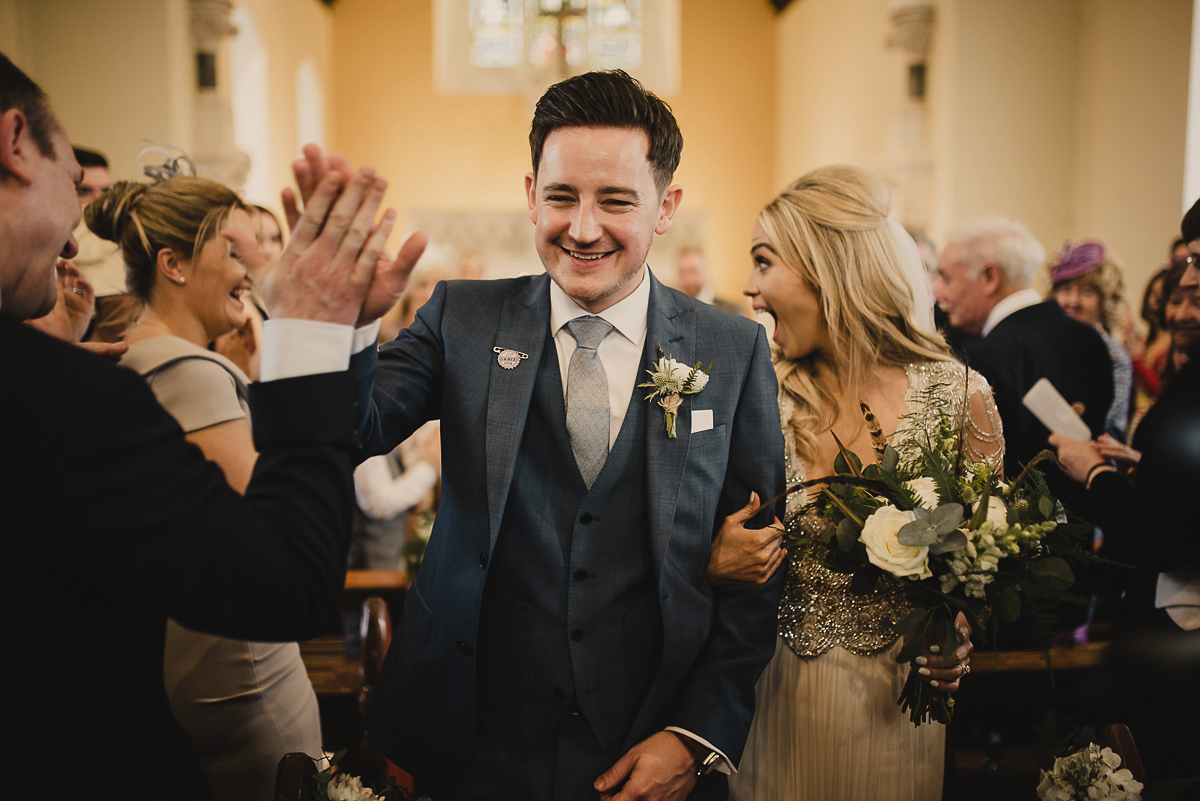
(724, 766)
(364, 336)
(294, 348)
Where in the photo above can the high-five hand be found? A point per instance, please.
(391, 275)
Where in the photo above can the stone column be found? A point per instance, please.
(908, 158)
(212, 135)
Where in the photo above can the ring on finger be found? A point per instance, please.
(966, 668)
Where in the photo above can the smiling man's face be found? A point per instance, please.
(596, 210)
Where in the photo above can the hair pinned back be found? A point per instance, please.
(831, 227)
(180, 213)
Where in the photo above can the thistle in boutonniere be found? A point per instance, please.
(670, 381)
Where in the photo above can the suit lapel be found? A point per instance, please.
(673, 329)
(523, 325)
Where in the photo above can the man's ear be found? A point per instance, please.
(531, 195)
(991, 277)
(16, 145)
(667, 208)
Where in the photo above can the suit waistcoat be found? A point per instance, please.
(570, 609)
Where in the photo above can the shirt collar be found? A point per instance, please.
(1021, 299)
(627, 316)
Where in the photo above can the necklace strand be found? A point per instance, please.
(136, 323)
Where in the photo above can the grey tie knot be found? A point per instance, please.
(589, 332)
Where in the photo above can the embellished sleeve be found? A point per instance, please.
(983, 432)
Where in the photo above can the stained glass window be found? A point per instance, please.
(497, 33)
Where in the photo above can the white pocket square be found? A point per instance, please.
(701, 420)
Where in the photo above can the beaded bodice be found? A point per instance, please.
(818, 611)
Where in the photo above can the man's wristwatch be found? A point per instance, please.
(706, 758)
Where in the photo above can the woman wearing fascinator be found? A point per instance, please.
(853, 321)
(243, 704)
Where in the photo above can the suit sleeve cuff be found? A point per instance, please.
(293, 348)
(724, 766)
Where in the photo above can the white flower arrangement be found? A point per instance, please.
(1090, 774)
(669, 382)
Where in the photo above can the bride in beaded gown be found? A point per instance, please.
(853, 321)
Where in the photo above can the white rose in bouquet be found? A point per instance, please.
(925, 488)
(997, 512)
(880, 536)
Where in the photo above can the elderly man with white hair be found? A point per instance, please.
(984, 283)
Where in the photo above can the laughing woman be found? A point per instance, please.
(853, 322)
(243, 704)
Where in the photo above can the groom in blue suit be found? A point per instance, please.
(561, 640)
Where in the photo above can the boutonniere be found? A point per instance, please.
(670, 381)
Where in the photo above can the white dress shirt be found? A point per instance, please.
(620, 352)
(1021, 299)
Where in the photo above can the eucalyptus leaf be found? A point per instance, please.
(951, 542)
(918, 532)
(1055, 569)
(847, 534)
(1045, 506)
(873, 472)
(921, 512)
(840, 466)
(891, 458)
(946, 518)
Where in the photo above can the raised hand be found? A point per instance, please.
(742, 555)
(391, 275)
(74, 308)
(328, 266)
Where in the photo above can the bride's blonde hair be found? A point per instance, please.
(830, 226)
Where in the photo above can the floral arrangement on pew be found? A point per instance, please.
(1090, 774)
(956, 536)
(332, 785)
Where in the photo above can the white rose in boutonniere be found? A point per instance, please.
(670, 381)
(880, 535)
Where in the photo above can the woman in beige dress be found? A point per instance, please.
(243, 704)
(853, 321)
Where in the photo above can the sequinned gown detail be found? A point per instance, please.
(827, 726)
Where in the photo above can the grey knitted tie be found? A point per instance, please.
(587, 397)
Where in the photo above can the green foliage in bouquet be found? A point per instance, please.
(956, 536)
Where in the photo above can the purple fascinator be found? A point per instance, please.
(1076, 260)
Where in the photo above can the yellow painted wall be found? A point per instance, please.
(291, 31)
(1066, 114)
(116, 71)
(1131, 130)
(838, 85)
(471, 152)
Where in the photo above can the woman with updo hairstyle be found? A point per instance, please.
(1086, 281)
(852, 313)
(243, 704)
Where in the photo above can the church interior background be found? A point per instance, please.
(1070, 115)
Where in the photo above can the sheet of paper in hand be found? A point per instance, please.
(1049, 406)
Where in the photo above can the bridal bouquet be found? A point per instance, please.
(333, 785)
(1090, 774)
(955, 535)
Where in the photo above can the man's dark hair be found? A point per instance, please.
(1190, 228)
(19, 92)
(90, 158)
(611, 99)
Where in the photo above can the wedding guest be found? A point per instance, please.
(986, 275)
(692, 277)
(243, 704)
(1148, 523)
(116, 522)
(1180, 321)
(1087, 283)
(853, 322)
